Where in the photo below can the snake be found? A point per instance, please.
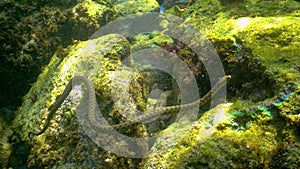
(77, 80)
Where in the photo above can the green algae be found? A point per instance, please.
(231, 150)
(43, 26)
(62, 142)
(135, 7)
(151, 40)
(259, 48)
(250, 139)
(289, 106)
(168, 151)
(87, 17)
(270, 42)
(256, 131)
(272, 34)
(34, 30)
(5, 146)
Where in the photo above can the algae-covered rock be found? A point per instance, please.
(289, 106)
(207, 145)
(31, 32)
(64, 143)
(260, 128)
(126, 7)
(260, 52)
(5, 146)
(174, 142)
(151, 40)
(33, 29)
(258, 43)
(86, 17)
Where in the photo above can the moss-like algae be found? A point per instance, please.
(259, 47)
(259, 129)
(64, 142)
(32, 31)
(5, 146)
(124, 8)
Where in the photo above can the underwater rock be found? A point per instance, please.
(257, 128)
(32, 31)
(127, 7)
(64, 142)
(5, 146)
(169, 3)
(261, 123)
(174, 142)
(150, 40)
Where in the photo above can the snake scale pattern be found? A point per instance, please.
(77, 80)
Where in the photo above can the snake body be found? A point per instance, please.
(148, 114)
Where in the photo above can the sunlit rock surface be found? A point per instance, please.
(64, 142)
(127, 7)
(259, 47)
(258, 127)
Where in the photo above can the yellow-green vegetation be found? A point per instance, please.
(271, 29)
(135, 7)
(289, 106)
(174, 142)
(64, 143)
(245, 137)
(34, 27)
(258, 42)
(33, 30)
(5, 146)
(150, 40)
(274, 39)
(87, 17)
